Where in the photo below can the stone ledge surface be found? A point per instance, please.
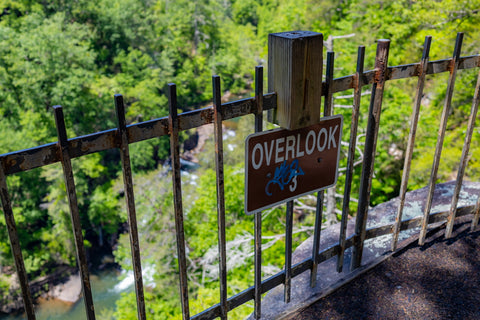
(375, 250)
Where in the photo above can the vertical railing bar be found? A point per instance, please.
(357, 95)
(177, 199)
(130, 203)
(476, 215)
(316, 238)
(217, 109)
(259, 98)
(464, 160)
(327, 111)
(258, 215)
(441, 136)
(15, 246)
(328, 108)
(288, 252)
(74, 213)
(411, 138)
(381, 62)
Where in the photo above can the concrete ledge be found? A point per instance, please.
(375, 251)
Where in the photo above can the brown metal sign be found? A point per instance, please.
(283, 165)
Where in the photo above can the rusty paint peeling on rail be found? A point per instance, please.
(47, 154)
(83, 145)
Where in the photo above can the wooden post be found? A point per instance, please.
(295, 62)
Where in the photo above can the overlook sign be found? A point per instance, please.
(282, 165)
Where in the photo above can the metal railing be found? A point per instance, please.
(121, 137)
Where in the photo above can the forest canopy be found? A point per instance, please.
(78, 54)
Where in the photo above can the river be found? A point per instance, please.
(107, 286)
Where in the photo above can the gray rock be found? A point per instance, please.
(273, 305)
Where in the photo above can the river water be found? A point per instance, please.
(107, 288)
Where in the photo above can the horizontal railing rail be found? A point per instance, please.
(23, 160)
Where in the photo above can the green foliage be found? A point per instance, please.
(103, 210)
(204, 209)
(4, 288)
(146, 155)
(80, 53)
(59, 238)
(34, 263)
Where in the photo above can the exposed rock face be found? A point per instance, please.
(64, 284)
(11, 303)
(273, 306)
(69, 291)
(10, 299)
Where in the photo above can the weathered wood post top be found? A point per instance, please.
(295, 62)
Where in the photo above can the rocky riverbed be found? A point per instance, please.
(63, 284)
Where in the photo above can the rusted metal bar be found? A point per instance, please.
(28, 159)
(288, 252)
(74, 214)
(177, 199)
(258, 215)
(259, 98)
(404, 71)
(476, 215)
(411, 139)
(258, 266)
(230, 110)
(381, 61)
(328, 108)
(463, 160)
(130, 203)
(217, 107)
(440, 66)
(441, 136)
(327, 111)
(316, 238)
(15, 246)
(357, 95)
(416, 222)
